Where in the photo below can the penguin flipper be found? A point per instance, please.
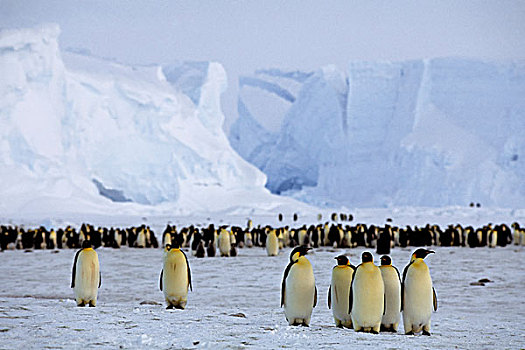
(397, 271)
(315, 295)
(351, 294)
(403, 285)
(283, 285)
(350, 299)
(74, 269)
(330, 297)
(160, 282)
(435, 299)
(99, 279)
(402, 296)
(189, 272)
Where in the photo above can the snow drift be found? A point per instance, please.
(79, 133)
(420, 133)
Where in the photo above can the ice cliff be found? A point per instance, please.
(79, 133)
(424, 133)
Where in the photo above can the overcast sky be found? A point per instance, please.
(246, 35)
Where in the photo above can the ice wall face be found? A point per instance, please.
(92, 131)
(424, 132)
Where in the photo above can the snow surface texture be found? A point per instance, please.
(78, 134)
(426, 133)
(235, 302)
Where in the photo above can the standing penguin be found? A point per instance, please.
(272, 243)
(298, 291)
(175, 277)
(418, 295)
(392, 283)
(201, 251)
(367, 296)
(224, 242)
(339, 291)
(86, 278)
(141, 239)
(384, 239)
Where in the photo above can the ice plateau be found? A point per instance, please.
(79, 133)
(436, 132)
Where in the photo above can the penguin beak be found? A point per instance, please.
(430, 252)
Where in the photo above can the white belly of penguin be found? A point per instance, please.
(340, 292)
(368, 298)
(299, 293)
(272, 246)
(418, 301)
(175, 278)
(87, 276)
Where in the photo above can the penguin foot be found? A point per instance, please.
(179, 307)
(373, 331)
(409, 333)
(388, 329)
(426, 333)
(169, 307)
(91, 304)
(82, 304)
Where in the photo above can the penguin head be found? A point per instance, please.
(176, 242)
(367, 257)
(298, 252)
(342, 260)
(86, 244)
(421, 253)
(385, 260)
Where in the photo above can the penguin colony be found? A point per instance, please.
(16, 237)
(225, 240)
(367, 298)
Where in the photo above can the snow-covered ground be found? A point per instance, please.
(235, 301)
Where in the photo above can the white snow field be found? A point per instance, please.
(235, 301)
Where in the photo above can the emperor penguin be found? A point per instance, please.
(52, 240)
(272, 243)
(367, 296)
(175, 277)
(418, 295)
(298, 290)
(86, 278)
(141, 239)
(248, 240)
(224, 242)
(201, 251)
(392, 283)
(339, 292)
(493, 238)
